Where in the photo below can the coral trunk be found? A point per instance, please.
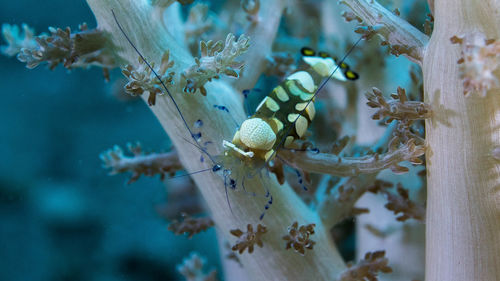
(463, 216)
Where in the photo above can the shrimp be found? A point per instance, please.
(281, 118)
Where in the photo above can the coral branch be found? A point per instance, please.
(216, 58)
(339, 203)
(367, 268)
(325, 163)
(480, 58)
(197, 24)
(78, 49)
(398, 108)
(262, 34)
(140, 163)
(401, 203)
(142, 79)
(402, 38)
(403, 132)
(192, 269)
(190, 225)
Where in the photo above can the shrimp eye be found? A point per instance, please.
(351, 75)
(307, 52)
(323, 54)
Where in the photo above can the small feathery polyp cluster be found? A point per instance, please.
(192, 269)
(298, 237)
(190, 225)
(248, 239)
(397, 108)
(480, 58)
(83, 48)
(367, 268)
(216, 58)
(143, 80)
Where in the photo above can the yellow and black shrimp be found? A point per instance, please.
(281, 118)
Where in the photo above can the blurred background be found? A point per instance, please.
(61, 216)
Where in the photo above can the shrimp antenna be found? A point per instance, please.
(185, 175)
(268, 204)
(216, 167)
(162, 84)
(315, 94)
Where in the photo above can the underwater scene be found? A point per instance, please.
(248, 140)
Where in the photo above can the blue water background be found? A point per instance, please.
(61, 216)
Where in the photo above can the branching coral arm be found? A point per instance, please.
(190, 225)
(339, 203)
(403, 38)
(72, 49)
(401, 205)
(262, 34)
(367, 268)
(217, 58)
(173, 22)
(399, 107)
(140, 163)
(326, 163)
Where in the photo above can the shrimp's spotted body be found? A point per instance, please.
(285, 114)
(281, 118)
